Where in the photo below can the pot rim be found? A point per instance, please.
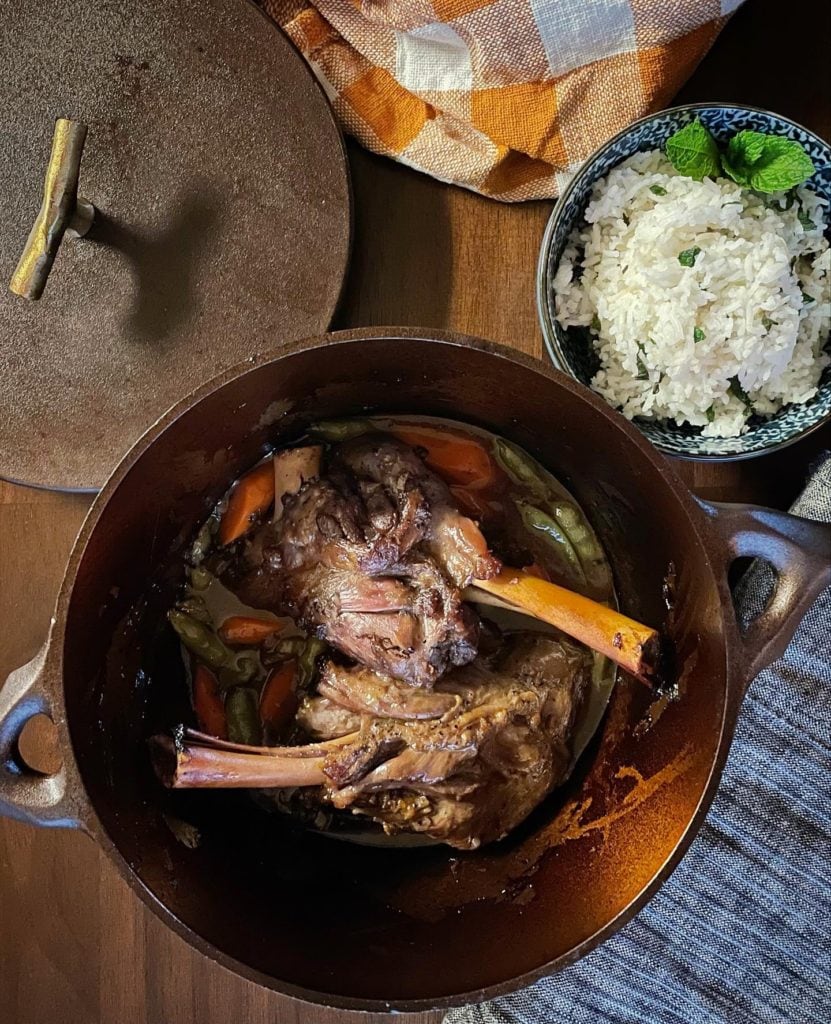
(696, 521)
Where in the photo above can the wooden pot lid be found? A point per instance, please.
(222, 217)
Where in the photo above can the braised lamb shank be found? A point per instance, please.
(373, 558)
(463, 763)
(413, 721)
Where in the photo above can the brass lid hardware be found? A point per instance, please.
(61, 210)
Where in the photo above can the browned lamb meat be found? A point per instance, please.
(367, 693)
(469, 761)
(372, 557)
(464, 763)
(453, 540)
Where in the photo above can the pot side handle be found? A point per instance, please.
(799, 551)
(27, 795)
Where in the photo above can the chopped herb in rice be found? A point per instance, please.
(735, 388)
(643, 373)
(806, 221)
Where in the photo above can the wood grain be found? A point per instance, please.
(75, 945)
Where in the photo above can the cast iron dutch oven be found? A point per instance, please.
(404, 929)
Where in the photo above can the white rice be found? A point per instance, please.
(743, 298)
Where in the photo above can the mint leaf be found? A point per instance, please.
(688, 257)
(698, 335)
(806, 298)
(693, 151)
(643, 373)
(750, 144)
(766, 163)
(711, 414)
(743, 151)
(805, 221)
(595, 325)
(784, 164)
(735, 388)
(658, 190)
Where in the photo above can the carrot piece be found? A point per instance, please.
(251, 497)
(247, 631)
(636, 648)
(535, 569)
(208, 704)
(277, 701)
(456, 459)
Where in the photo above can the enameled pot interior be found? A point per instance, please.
(338, 922)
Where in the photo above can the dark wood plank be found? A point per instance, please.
(75, 944)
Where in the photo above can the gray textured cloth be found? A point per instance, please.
(741, 932)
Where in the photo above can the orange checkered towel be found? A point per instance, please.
(505, 97)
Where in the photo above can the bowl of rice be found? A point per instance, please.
(685, 276)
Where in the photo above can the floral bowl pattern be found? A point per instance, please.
(572, 351)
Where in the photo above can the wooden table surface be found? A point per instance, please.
(75, 944)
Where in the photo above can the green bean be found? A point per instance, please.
(195, 607)
(242, 712)
(200, 640)
(560, 520)
(282, 650)
(577, 529)
(341, 430)
(307, 662)
(520, 467)
(242, 668)
(232, 668)
(591, 554)
(200, 578)
(203, 541)
(539, 521)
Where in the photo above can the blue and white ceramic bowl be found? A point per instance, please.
(572, 352)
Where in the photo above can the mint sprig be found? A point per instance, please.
(693, 151)
(754, 160)
(766, 163)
